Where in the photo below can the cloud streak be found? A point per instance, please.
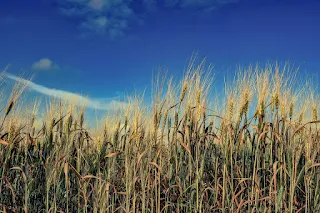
(104, 17)
(69, 96)
(115, 17)
(44, 64)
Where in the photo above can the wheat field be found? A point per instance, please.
(254, 149)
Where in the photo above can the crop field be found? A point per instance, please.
(253, 149)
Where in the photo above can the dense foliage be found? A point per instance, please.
(255, 151)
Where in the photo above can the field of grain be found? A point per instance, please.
(256, 149)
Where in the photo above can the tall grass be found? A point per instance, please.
(256, 151)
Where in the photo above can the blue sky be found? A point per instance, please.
(104, 48)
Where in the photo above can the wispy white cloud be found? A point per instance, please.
(114, 17)
(97, 4)
(44, 64)
(100, 104)
(104, 17)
